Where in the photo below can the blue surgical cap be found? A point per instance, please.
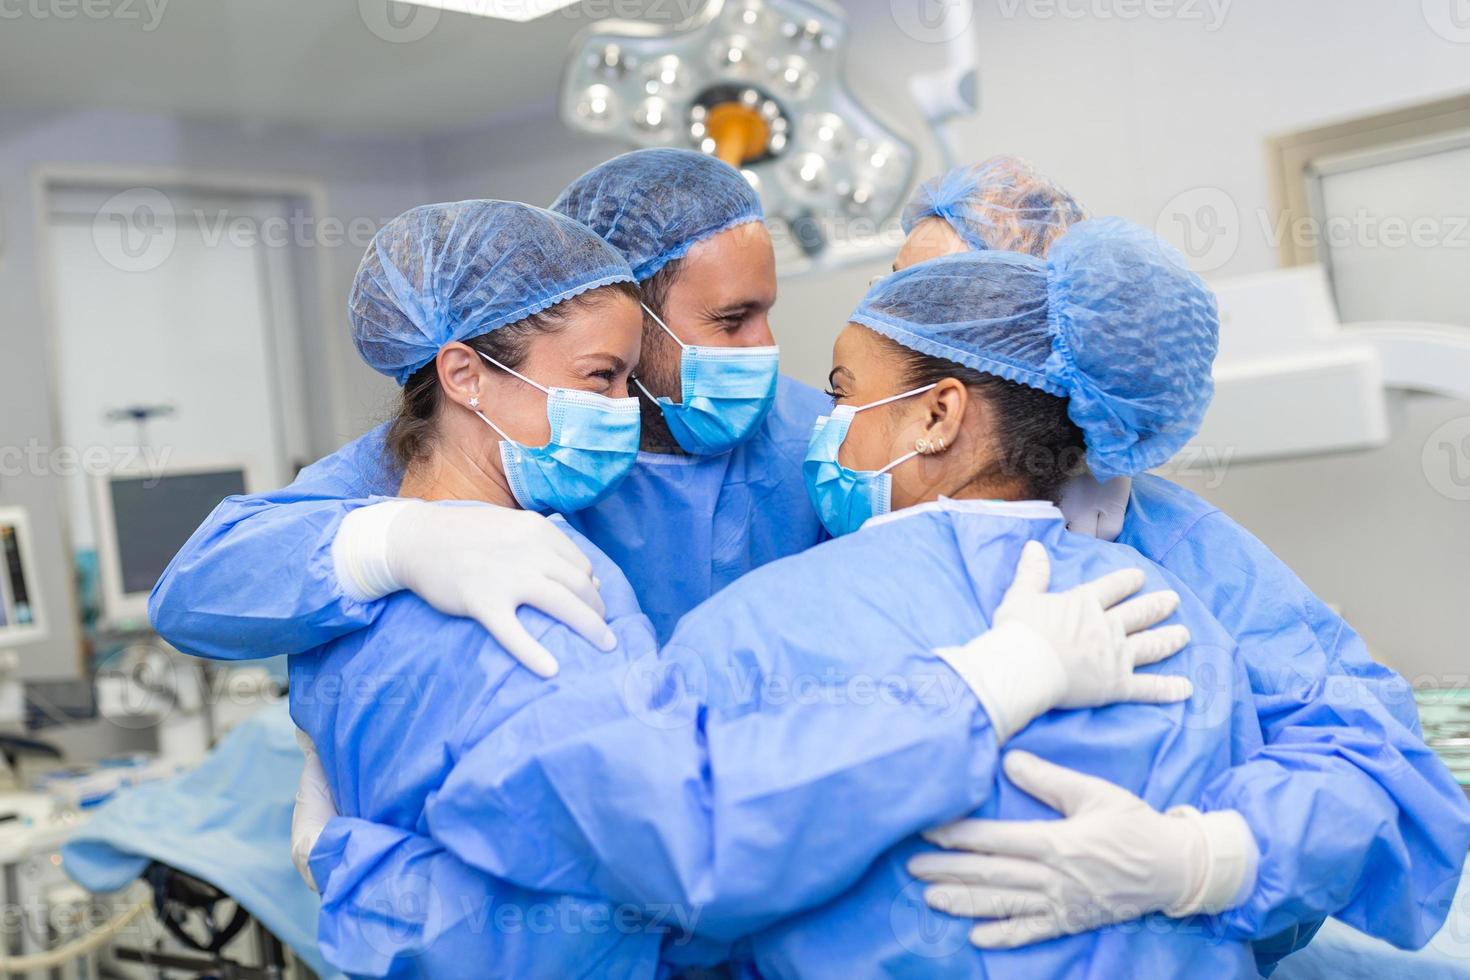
(1114, 321)
(655, 205)
(447, 272)
(1002, 204)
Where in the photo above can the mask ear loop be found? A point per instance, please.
(885, 401)
(682, 346)
(509, 370)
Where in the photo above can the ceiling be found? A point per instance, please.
(313, 62)
(342, 64)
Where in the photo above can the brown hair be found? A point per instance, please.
(412, 430)
(1039, 446)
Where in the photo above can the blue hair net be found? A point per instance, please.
(1002, 204)
(1114, 322)
(448, 272)
(655, 205)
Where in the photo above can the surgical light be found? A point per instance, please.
(516, 10)
(758, 83)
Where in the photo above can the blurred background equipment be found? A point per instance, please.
(143, 519)
(20, 604)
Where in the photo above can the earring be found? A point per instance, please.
(921, 446)
(474, 403)
(939, 444)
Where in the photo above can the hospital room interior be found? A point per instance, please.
(239, 236)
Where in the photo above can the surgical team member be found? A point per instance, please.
(715, 492)
(1353, 815)
(515, 332)
(948, 374)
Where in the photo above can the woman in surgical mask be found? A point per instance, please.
(1404, 825)
(766, 772)
(513, 332)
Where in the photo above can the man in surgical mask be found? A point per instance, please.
(716, 491)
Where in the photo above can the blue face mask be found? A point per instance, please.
(594, 443)
(725, 392)
(844, 498)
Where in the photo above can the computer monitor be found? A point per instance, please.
(143, 519)
(21, 620)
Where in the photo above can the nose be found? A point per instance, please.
(760, 334)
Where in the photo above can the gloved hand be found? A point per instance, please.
(1073, 649)
(479, 562)
(1112, 859)
(314, 807)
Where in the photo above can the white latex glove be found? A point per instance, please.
(1073, 649)
(1112, 859)
(314, 807)
(482, 563)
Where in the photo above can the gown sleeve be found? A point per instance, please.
(1353, 815)
(655, 782)
(398, 904)
(256, 579)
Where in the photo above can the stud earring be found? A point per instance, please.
(921, 446)
(939, 444)
(474, 403)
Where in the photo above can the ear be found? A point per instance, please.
(946, 403)
(460, 373)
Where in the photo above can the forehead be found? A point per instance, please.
(604, 322)
(930, 239)
(736, 266)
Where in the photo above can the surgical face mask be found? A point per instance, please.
(725, 394)
(844, 498)
(594, 443)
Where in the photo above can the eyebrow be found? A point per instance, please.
(839, 369)
(618, 364)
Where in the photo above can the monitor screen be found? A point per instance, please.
(153, 517)
(16, 603)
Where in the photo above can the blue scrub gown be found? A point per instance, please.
(391, 708)
(681, 528)
(797, 732)
(1356, 818)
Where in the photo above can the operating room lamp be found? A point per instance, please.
(759, 84)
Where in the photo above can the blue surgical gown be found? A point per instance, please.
(797, 732)
(1355, 817)
(257, 579)
(390, 707)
